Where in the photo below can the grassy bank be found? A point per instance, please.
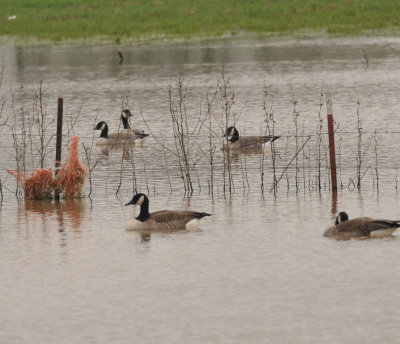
(75, 19)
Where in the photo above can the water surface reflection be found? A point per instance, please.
(259, 269)
(67, 213)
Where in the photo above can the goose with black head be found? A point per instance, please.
(243, 143)
(163, 219)
(126, 114)
(360, 227)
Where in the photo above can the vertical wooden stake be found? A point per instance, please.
(331, 141)
(334, 203)
(59, 138)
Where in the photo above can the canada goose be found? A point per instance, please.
(114, 138)
(247, 142)
(125, 114)
(163, 219)
(360, 227)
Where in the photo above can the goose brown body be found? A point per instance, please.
(361, 227)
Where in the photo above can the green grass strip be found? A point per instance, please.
(136, 19)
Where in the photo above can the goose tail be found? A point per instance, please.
(141, 136)
(201, 215)
(193, 224)
(379, 224)
(269, 139)
(394, 224)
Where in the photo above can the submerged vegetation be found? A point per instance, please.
(188, 156)
(138, 19)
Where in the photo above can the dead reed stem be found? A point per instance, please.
(376, 160)
(319, 141)
(227, 100)
(286, 162)
(212, 147)
(304, 157)
(359, 140)
(167, 167)
(42, 125)
(270, 131)
(181, 134)
(339, 154)
(296, 136)
(88, 155)
(290, 162)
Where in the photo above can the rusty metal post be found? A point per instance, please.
(59, 139)
(334, 203)
(331, 134)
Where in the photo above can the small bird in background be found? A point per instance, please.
(121, 57)
(365, 58)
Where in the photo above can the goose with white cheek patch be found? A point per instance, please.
(163, 219)
(125, 115)
(361, 227)
(239, 143)
(114, 138)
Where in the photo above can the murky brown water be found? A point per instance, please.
(259, 269)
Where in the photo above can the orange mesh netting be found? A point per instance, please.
(69, 179)
(18, 176)
(38, 185)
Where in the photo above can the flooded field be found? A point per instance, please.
(258, 270)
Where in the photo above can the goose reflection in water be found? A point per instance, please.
(145, 235)
(236, 156)
(126, 150)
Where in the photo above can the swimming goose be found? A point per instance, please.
(247, 142)
(163, 219)
(360, 227)
(114, 138)
(125, 114)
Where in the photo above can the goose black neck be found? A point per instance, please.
(144, 211)
(125, 122)
(104, 132)
(234, 137)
